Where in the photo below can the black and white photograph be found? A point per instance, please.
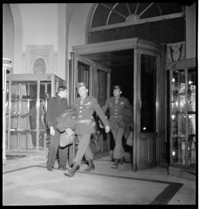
(100, 104)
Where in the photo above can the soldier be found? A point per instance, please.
(56, 106)
(116, 106)
(84, 108)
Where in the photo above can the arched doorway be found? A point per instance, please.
(127, 32)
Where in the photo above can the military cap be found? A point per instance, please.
(117, 87)
(61, 88)
(81, 84)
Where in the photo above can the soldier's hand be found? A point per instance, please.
(52, 131)
(107, 129)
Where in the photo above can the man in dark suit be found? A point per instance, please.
(56, 106)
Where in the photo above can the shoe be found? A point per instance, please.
(111, 156)
(91, 166)
(122, 160)
(64, 168)
(116, 164)
(71, 172)
(49, 168)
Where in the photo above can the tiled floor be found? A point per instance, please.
(26, 181)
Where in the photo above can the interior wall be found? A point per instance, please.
(40, 26)
(191, 31)
(8, 33)
(78, 25)
(62, 42)
(39, 23)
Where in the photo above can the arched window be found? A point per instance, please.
(157, 22)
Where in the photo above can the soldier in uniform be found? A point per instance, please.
(116, 106)
(84, 108)
(56, 105)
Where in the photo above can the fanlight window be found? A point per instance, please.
(112, 13)
(112, 21)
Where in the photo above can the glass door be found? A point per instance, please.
(81, 71)
(148, 112)
(97, 77)
(183, 117)
(102, 92)
(26, 106)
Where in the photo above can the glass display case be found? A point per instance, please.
(182, 113)
(26, 105)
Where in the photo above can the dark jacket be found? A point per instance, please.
(66, 120)
(55, 107)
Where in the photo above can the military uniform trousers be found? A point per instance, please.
(117, 132)
(54, 149)
(83, 149)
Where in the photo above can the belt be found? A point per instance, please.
(116, 116)
(84, 121)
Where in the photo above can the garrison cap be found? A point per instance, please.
(117, 87)
(81, 84)
(61, 88)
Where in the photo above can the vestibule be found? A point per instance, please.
(146, 89)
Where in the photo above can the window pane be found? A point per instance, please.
(102, 86)
(148, 93)
(83, 73)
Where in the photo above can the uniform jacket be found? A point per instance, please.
(116, 111)
(128, 114)
(85, 112)
(127, 130)
(55, 107)
(66, 120)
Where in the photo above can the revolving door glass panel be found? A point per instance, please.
(27, 109)
(183, 117)
(22, 99)
(148, 94)
(84, 75)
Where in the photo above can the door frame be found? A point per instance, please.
(93, 67)
(140, 47)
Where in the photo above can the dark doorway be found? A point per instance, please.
(121, 64)
(122, 67)
(123, 76)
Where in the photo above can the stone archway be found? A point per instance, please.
(17, 59)
(8, 33)
(80, 18)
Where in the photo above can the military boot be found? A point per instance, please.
(116, 163)
(122, 160)
(71, 171)
(91, 166)
(111, 156)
